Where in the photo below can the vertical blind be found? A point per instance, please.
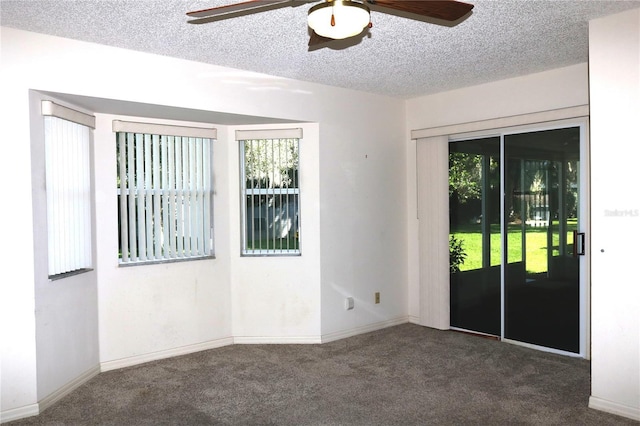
(164, 191)
(432, 166)
(68, 183)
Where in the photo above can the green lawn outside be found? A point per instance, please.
(536, 239)
(273, 244)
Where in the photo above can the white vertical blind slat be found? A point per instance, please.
(59, 224)
(172, 195)
(198, 194)
(184, 202)
(157, 195)
(165, 197)
(131, 164)
(148, 191)
(140, 199)
(280, 205)
(63, 212)
(73, 217)
(86, 195)
(206, 172)
(76, 171)
(192, 197)
(124, 228)
(254, 182)
(179, 200)
(271, 206)
(51, 189)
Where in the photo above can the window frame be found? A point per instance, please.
(269, 135)
(68, 141)
(160, 194)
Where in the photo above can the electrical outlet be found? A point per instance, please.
(348, 303)
(377, 297)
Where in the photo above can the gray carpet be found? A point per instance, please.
(403, 375)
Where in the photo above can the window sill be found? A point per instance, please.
(157, 262)
(69, 274)
(270, 254)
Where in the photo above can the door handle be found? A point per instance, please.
(578, 243)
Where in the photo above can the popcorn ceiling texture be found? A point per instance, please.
(399, 57)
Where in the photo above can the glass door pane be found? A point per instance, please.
(542, 286)
(474, 239)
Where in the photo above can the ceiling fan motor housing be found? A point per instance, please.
(338, 19)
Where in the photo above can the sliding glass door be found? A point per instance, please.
(474, 240)
(514, 237)
(542, 286)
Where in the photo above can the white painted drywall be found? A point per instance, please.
(363, 237)
(67, 308)
(147, 311)
(614, 66)
(545, 91)
(277, 299)
(18, 380)
(559, 88)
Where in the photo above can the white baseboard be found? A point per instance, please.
(246, 340)
(614, 408)
(413, 319)
(154, 356)
(288, 340)
(67, 388)
(19, 413)
(363, 329)
(35, 409)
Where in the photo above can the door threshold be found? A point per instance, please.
(544, 348)
(475, 333)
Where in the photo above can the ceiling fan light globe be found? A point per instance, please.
(350, 19)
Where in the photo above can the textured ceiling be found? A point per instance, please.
(398, 57)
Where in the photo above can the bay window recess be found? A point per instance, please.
(270, 186)
(67, 140)
(164, 186)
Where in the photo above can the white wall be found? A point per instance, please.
(363, 230)
(614, 66)
(277, 300)
(356, 230)
(18, 381)
(153, 311)
(66, 309)
(550, 90)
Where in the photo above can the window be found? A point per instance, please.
(271, 191)
(67, 139)
(165, 192)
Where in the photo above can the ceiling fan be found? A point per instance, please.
(341, 19)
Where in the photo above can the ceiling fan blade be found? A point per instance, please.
(247, 5)
(448, 10)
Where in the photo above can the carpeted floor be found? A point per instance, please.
(403, 375)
